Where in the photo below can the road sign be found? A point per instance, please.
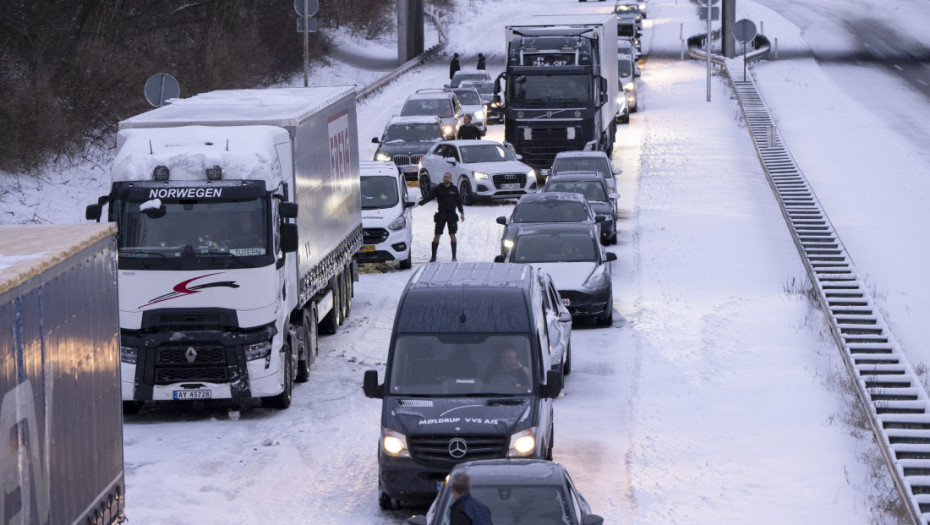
(160, 87)
(311, 25)
(744, 30)
(714, 13)
(312, 7)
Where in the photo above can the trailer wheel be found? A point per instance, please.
(331, 322)
(132, 407)
(283, 400)
(350, 291)
(308, 336)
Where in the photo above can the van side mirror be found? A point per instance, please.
(500, 258)
(288, 210)
(502, 220)
(611, 256)
(374, 140)
(288, 238)
(370, 385)
(600, 218)
(553, 385)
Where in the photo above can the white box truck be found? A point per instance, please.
(560, 85)
(239, 214)
(60, 422)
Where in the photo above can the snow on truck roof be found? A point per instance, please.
(278, 107)
(27, 251)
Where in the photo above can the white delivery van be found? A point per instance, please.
(386, 217)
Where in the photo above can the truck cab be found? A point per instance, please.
(468, 376)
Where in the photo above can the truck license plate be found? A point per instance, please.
(192, 394)
(510, 186)
(367, 248)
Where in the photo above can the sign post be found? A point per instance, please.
(306, 25)
(744, 31)
(708, 12)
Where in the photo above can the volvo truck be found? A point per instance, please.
(560, 86)
(238, 213)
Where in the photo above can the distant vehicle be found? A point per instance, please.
(642, 8)
(465, 379)
(386, 218)
(530, 491)
(481, 169)
(546, 207)
(626, 69)
(468, 74)
(587, 161)
(623, 108)
(579, 266)
(625, 46)
(628, 12)
(443, 104)
(406, 139)
(592, 186)
(495, 112)
(472, 105)
(559, 320)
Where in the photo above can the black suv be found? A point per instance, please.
(405, 140)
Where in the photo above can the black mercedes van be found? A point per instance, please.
(467, 376)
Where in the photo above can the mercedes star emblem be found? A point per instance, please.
(191, 354)
(458, 448)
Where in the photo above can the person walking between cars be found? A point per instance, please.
(447, 200)
(468, 130)
(480, 61)
(466, 510)
(454, 65)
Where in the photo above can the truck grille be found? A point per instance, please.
(509, 178)
(203, 355)
(374, 235)
(404, 160)
(435, 449)
(214, 374)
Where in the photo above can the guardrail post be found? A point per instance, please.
(776, 48)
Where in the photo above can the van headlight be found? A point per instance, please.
(522, 443)
(383, 157)
(258, 351)
(399, 224)
(394, 444)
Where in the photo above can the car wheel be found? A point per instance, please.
(608, 319)
(468, 198)
(283, 400)
(425, 184)
(405, 264)
(386, 502)
(567, 367)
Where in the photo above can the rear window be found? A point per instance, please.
(550, 211)
(439, 107)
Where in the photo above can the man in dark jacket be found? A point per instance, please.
(454, 65)
(466, 510)
(468, 130)
(480, 61)
(447, 200)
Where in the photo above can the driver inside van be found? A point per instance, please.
(506, 363)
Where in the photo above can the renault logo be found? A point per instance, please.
(191, 354)
(458, 448)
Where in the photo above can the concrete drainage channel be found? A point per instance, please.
(891, 392)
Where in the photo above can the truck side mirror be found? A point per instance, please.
(502, 220)
(600, 218)
(288, 238)
(553, 384)
(288, 210)
(374, 140)
(370, 385)
(93, 212)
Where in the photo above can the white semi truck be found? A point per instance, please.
(238, 214)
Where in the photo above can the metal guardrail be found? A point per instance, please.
(892, 395)
(410, 64)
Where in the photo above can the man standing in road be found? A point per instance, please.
(481, 64)
(447, 200)
(468, 130)
(466, 510)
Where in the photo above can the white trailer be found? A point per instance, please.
(238, 212)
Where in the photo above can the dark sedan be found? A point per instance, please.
(571, 254)
(532, 491)
(592, 186)
(546, 207)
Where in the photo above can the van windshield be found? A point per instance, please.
(462, 365)
(379, 192)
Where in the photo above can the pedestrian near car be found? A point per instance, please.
(466, 510)
(480, 61)
(454, 65)
(468, 130)
(447, 200)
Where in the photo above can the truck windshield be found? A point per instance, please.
(550, 90)
(194, 229)
(461, 365)
(379, 192)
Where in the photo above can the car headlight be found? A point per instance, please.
(448, 129)
(128, 354)
(522, 443)
(479, 175)
(257, 351)
(399, 223)
(508, 244)
(628, 86)
(382, 157)
(531, 175)
(394, 444)
(479, 115)
(495, 104)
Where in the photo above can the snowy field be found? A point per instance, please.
(712, 399)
